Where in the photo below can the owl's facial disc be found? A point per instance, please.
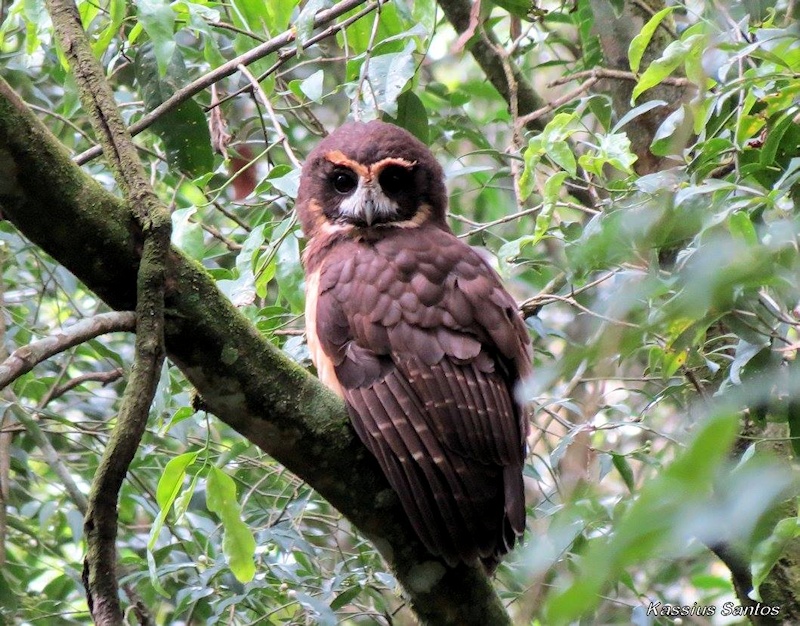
(370, 194)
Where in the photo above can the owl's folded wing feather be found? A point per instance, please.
(427, 348)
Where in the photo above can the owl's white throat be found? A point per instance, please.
(368, 204)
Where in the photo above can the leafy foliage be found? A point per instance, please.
(662, 302)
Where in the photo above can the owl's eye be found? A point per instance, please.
(394, 178)
(344, 181)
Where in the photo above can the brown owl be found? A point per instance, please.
(412, 328)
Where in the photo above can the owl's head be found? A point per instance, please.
(370, 175)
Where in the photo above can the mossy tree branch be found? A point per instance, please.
(243, 379)
(100, 522)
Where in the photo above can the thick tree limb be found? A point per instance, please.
(244, 380)
(24, 359)
(100, 523)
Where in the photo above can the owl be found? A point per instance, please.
(414, 330)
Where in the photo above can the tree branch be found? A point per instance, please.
(105, 378)
(24, 359)
(510, 82)
(232, 66)
(615, 31)
(243, 379)
(483, 49)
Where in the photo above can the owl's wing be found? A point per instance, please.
(426, 348)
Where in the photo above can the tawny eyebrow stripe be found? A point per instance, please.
(363, 171)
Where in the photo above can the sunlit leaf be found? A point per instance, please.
(388, 75)
(640, 42)
(172, 479)
(672, 57)
(237, 542)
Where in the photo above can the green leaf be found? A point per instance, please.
(672, 57)
(552, 188)
(561, 153)
(284, 179)
(321, 612)
(640, 42)
(584, 20)
(172, 479)
(241, 290)
(519, 8)
(388, 75)
(305, 21)
(767, 553)
(741, 226)
(259, 16)
(169, 486)
(183, 413)
(116, 13)
(614, 150)
(531, 157)
(651, 522)
(345, 597)
(636, 112)
(359, 35)
(188, 235)
(158, 20)
(184, 130)
(312, 86)
(620, 462)
(238, 543)
(662, 143)
(775, 133)
(412, 116)
(289, 272)
(9, 598)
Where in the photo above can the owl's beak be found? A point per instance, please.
(368, 208)
(368, 204)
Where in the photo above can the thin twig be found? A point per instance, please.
(53, 459)
(604, 72)
(61, 119)
(567, 97)
(236, 29)
(289, 53)
(356, 109)
(503, 220)
(230, 244)
(105, 378)
(232, 216)
(224, 70)
(572, 302)
(284, 140)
